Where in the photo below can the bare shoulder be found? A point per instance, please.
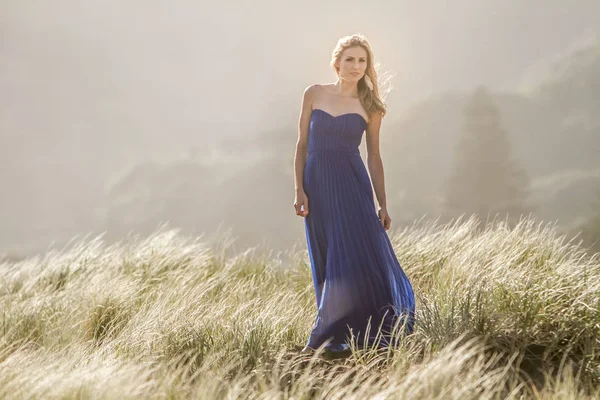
(375, 118)
(328, 87)
(315, 90)
(377, 115)
(312, 89)
(311, 93)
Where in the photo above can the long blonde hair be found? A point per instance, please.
(372, 99)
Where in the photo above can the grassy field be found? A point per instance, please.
(501, 314)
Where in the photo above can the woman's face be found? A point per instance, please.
(353, 63)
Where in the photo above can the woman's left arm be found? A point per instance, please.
(375, 165)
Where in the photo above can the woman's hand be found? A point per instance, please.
(384, 217)
(301, 203)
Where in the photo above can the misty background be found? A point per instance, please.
(118, 116)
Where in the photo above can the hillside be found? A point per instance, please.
(553, 129)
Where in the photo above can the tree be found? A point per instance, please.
(485, 179)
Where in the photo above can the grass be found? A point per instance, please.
(502, 313)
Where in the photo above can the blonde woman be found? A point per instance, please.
(361, 290)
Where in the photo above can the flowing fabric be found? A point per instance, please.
(357, 278)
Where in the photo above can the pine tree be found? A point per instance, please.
(485, 179)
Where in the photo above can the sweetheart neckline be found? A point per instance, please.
(340, 115)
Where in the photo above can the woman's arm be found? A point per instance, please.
(374, 159)
(302, 142)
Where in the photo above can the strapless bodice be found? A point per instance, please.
(335, 133)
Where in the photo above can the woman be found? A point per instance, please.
(359, 284)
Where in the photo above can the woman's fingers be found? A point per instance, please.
(301, 208)
(305, 207)
(385, 219)
(387, 223)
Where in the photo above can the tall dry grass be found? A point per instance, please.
(502, 313)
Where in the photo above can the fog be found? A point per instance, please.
(118, 116)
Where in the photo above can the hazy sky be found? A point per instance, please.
(235, 67)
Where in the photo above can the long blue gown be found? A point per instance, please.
(356, 274)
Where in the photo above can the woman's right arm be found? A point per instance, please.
(302, 150)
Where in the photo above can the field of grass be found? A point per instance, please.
(501, 314)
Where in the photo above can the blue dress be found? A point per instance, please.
(356, 274)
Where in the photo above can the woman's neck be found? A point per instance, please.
(346, 89)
